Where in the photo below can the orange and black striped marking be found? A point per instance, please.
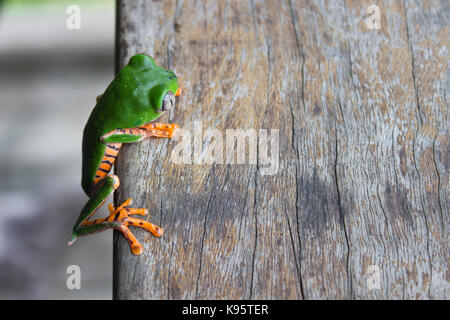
(111, 152)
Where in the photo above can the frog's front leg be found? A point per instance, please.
(160, 130)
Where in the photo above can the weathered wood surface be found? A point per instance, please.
(362, 185)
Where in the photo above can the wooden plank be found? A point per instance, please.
(358, 204)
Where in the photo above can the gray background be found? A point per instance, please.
(49, 78)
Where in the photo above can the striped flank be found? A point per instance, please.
(111, 151)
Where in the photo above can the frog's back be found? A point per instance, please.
(124, 104)
(111, 112)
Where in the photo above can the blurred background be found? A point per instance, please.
(49, 78)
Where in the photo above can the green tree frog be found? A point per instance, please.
(140, 93)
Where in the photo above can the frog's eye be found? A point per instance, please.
(168, 102)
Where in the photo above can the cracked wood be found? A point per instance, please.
(364, 151)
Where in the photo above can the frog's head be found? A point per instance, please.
(162, 95)
(164, 86)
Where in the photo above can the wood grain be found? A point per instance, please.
(362, 182)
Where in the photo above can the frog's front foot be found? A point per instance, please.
(160, 130)
(120, 219)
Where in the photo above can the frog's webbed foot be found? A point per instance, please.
(120, 219)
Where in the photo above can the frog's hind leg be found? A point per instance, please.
(102, 191)
(104, 185)
(119, 219)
